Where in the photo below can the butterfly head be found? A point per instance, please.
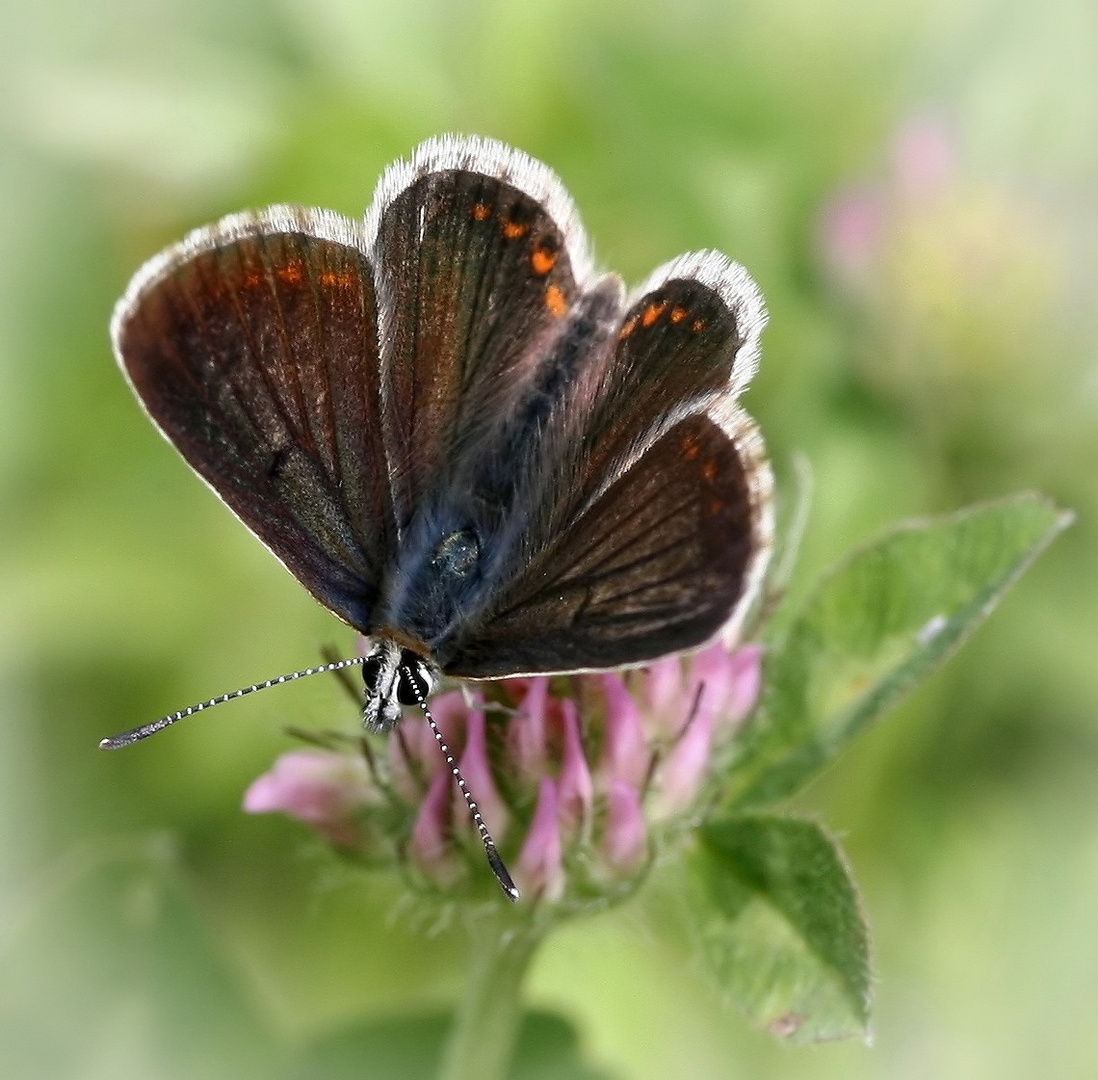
(394, 676)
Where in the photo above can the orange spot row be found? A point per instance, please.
(652, 312)
(511, 230)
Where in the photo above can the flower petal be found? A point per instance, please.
(725, 684)
(539, 869)
(681, 774)
(625, 840)
(526, 731)
(625, 755)
(663, 686)
(431, 843)
(414, 755)
(746, 683)
(479, 782)
(323, 788)
(576, 788)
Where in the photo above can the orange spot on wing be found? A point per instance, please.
(653, 312)
(555, 302)
(709, 471)
(512, 230)
(290, 273)
(251, 279)
(627, 328)
(714, 507)
(698, 325)
(678, 314)
(690, 447)
(481, 211)
(330, 279)
(543, 260)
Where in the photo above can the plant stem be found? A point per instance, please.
(482, 1040)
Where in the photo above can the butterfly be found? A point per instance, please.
(463, 440)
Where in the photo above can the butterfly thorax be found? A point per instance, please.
(436, 584)
(429, 590)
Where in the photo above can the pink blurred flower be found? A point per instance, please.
(852, 226)
(924, 157)
(860, 221)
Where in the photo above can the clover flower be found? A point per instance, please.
(576, 776)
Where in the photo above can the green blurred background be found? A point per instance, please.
(915, 187)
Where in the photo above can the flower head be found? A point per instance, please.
(576, 777)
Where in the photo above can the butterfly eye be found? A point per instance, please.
(371, 668)
(415, 679)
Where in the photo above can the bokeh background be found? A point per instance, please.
(914, 185)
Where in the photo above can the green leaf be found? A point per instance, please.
(548, 1048)
(787, 940)
(115, 968)
(408, 1047)
(876, 626)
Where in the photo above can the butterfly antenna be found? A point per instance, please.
(494, 860)
(128, 738)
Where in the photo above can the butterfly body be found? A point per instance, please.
(459, 438)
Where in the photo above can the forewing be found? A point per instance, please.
(480, 259)
(648, 523)
(253, 346)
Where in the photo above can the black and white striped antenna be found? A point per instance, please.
(128, 738)
(494, 861)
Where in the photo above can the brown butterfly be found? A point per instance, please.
(456, 434)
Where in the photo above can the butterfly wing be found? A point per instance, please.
(480, 258)
(253, 347)
(320, 375)
(649, 519)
